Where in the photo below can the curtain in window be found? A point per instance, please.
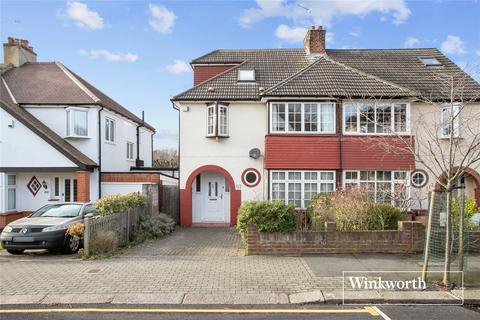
(80, 123)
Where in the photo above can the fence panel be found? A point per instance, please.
(170, 202)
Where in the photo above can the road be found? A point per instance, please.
(139, 312)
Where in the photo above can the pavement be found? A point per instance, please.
(195, 266)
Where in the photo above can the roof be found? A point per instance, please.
(51, 83)
(388, 70)
(43, 131)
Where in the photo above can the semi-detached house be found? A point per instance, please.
(62, 139)
(289, 123)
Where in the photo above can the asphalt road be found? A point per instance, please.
(124, 312)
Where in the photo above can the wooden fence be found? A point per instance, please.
(122, 224)
(170, 202)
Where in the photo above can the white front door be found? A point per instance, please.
(214, 197)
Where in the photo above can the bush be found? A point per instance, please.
(77, 230)
(352, 210)
(103, 243)
(155, 227)
(119, 203)
(267, 216)
(470, 209)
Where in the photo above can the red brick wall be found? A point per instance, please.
(7, 217)
(83, 186)
(130, 177)
(408, 238)
(202, 73)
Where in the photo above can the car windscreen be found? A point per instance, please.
(58, 210)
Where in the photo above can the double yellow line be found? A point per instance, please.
(369, 310)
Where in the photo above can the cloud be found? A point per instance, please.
(355, 32)
(297, 34)
(178, 66)
(322, 12)
(83, 16)
(109, 56)
(478, 53)
(162, 19)
(411, 42)
(453, 45)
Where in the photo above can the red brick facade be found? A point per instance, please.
(130, 177)
(83, 186)
(203, 73)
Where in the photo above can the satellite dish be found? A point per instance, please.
(254, 153)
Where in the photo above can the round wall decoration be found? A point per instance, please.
(251, 177)
(419, 178)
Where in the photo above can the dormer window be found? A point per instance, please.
(430, 61)
(246, 75)
(77, 122)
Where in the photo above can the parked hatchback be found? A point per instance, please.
(46, 228)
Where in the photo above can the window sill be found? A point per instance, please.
(217, 136)
(448, 138)
(77, 137)
(110, 142)
(403, 134)
(130, 160)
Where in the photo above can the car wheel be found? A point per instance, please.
(71, 245)
(15, 251)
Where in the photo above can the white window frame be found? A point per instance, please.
(302, 121)
(214, 129)
(70, 130)
(108, 136)
(132, 146)
(249, 79)
(8, 188)
(456, 108)
(392, 181)
(302, 181)
(392, 119)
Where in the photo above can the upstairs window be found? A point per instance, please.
(109, 130)
(375, 118)
(246, 75)
(130, 147)
(217, 120)
(450, 119)
(430, 61)
(302, 117)
(77, 122)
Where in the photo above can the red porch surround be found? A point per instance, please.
(334, 152)
(186, 195)
(83, 186)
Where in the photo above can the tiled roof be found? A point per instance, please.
(43, 131)
(47, 83)
(393, 69)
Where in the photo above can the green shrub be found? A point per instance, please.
(267, 216)
(120, 202)
(103, 243)
(155, 227)
(352, 210)
(470, 209)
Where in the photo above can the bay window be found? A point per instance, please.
(381, 186)
(311, 117)
(77, 122)
(375, 118)
(217, 120)
(298, 187)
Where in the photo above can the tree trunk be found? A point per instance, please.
(460, 232)
(426, 252)
(448, 231)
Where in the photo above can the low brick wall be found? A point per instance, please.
(7, 217)
(130, 177)
(408, 238)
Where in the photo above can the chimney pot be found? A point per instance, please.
(314, 42)
(18, 52)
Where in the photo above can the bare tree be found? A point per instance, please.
(165, 159)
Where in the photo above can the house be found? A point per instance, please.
(62, 139)
(290, 123)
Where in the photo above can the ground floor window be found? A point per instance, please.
(382, 186)
(298, 187)
(11, 192)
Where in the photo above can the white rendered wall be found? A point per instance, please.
(248, 126)
(112, 188)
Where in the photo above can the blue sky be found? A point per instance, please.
(138, 51)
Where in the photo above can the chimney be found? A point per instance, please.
(18, 52)
(314, 41)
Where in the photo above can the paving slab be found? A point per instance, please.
(307, 297)
(139, 298)
(77, 298)
(235, 299)
(21, 298)
(470, 296)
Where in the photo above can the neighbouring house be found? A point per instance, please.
(290, 123)
(62, 139)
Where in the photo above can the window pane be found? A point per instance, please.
(400, 114)
(278, 191)
(326, 176)
(311, 175)
(11, 180)
(294, 176)
(246, 75)
(350, 120)
(384, 115)
(311, 117)
(278, 117)
(211, 120)
(309, 192)
(351, 175)
(294, 117)
(11, 198)
(326, 187)
(80, 123)
(223, 119)
(327, 117)
(367, 118)
(198, 183)
(295, 194)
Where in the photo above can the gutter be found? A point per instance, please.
(138, 161)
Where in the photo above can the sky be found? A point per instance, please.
(138, 52)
